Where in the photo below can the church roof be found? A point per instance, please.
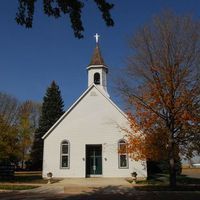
(76, 102)
(97, 59)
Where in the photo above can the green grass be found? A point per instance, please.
(167, 188)
(17, 187)
(160, 182)
(183, 179)
(27, 177)
(156, 179)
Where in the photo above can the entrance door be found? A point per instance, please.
(93, 160)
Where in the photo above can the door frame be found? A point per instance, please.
(93, 175)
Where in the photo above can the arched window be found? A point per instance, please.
(97, 78)
(122, 154)
(64, 154)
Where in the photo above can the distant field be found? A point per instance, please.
(193, 172)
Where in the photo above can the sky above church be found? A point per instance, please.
(31, 58)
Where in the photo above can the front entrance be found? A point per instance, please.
(93, 160)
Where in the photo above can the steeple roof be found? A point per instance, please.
(96, 57)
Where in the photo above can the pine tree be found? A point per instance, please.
(52, 109)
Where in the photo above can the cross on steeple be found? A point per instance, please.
(97, 69)
(97, 36)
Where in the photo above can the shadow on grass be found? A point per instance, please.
(155, 179)
(184, 179)
(27, 177)
(163, 179)
(167, 188)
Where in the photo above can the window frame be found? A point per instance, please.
(99, 76)
(119, 155)
(65, 154)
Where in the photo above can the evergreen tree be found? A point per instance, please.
(52, 109)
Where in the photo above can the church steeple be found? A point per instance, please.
(97, 70)
(97, 58)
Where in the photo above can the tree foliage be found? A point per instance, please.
(28, 120)
(18, 122)
(57, 8)
(9, 108)
(52, 109)
(162, 84)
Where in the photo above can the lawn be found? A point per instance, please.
(23, 181)
(160, 182)
(163, 179)
(17, 187)
(167, 188)
(27, 177)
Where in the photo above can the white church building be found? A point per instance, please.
(86, 140)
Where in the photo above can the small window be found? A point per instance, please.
(122, 153)
(97, 78)
(65, 154)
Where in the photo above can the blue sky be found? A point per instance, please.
(31, 58)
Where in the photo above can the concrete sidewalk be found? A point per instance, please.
(96, 189)
(82, 185)
(90, 185)
(94, 182)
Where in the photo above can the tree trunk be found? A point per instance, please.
(172, 164)
(22, 164)
(172, 173)
(23, 155)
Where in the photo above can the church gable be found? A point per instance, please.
(95, 107)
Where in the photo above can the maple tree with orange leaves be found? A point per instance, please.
(161, 87)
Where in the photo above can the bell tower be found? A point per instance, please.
(97, 70)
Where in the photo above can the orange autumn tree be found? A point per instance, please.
(161, 87)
